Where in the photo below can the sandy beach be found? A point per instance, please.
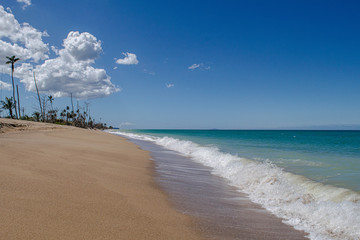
(60, 182)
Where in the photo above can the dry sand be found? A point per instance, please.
(60, 182)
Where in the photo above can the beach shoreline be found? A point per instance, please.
(61, 182)
(220, 210)
(251, 162)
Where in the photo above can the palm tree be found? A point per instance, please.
(12, 60)
(51, 99)
(8, 104)
(51, 113)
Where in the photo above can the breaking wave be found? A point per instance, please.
(323, 211)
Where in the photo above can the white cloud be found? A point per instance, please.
(71, 72)
(25, 2)
(83, 47)
(201, 66)
(115, 68)
(194, 66)
(170, 85)
(5, 86)
(130, 58)
(21, 40)
(55, 50)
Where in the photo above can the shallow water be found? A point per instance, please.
(329, 157)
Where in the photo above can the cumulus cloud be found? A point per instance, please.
(5, 86)
(199, 66)
(25, 2)
(170, 85)
(24, 41)
(72, 71)
(82, 47)
(130, 58)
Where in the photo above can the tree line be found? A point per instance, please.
(46, 112)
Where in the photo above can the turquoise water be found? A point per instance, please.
(310, 179)
(330, 157)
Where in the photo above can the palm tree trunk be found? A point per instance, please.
(37, 90)
(11, 114)
(17, 90)
(12, 77)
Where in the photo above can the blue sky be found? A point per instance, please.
(255, 64)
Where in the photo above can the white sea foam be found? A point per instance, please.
(323, 211)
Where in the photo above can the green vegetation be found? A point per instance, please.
(9, 105)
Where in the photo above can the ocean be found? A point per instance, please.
(310, 179)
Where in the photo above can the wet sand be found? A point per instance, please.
(221, 211)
